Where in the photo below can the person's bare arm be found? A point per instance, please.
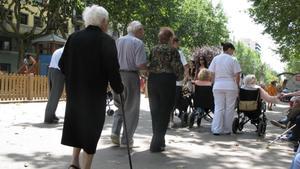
(30, 69)
(237, 79)
(32, 60)
(265, 96)
(297, 93)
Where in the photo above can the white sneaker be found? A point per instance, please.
(125, 145)
(115, 139)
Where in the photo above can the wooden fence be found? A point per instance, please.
(20, 87)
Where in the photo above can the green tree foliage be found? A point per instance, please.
(53, 13)
(269, 75)
(196, 22)
(199, 23)
(293, 65)
(58, 14)
(282, 21)
(250, 61)
(152, 13)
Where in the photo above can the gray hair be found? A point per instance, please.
(249, 80)
(94, 15)
(134, 26)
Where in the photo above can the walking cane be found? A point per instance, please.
(277, 138)
(125, 130)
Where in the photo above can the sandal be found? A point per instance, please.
(73, 166)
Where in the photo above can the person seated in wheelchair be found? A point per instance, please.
(249, 107)
(182, 105)
(203, 99)
(250, 83)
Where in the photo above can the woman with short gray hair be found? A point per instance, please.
(89, 62)
(250, 84)
(95, 16)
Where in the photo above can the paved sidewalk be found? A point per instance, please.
(28, 143)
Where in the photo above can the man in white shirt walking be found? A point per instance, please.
(56, 82)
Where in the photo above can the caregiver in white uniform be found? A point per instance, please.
(226, 74)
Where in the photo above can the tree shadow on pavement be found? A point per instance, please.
(197, 148)
(179, 158)
(59, 125)
(43, 160)
(194, 148)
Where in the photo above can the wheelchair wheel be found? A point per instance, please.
(110, 112)
(261, 128)
(263, 107)
(183, 118)
(199, 121)
(191, 119)
(235, 125)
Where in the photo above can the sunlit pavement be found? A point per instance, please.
(28, 143)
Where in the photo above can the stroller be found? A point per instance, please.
(251, 108)
(109, 98)
(203, 105)
(183, 105)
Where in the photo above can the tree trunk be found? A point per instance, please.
(21, 52)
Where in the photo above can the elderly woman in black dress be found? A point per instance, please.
(165, 68)
(89, 62)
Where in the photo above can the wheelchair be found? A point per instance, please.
(250, 107)
(109, 99)
(183, 106)
(203, 105)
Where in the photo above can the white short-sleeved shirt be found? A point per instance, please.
(184, 62)
(131, 52)
(55, 58)
(225, 67)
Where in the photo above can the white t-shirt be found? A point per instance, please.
(184, 62)
(225, 67)
(55, 58)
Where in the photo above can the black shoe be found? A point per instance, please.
(157, 150)
(56, 118)
(53, 121)
(216, 134)
(296, 147)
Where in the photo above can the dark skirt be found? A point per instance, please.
(84, 122)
